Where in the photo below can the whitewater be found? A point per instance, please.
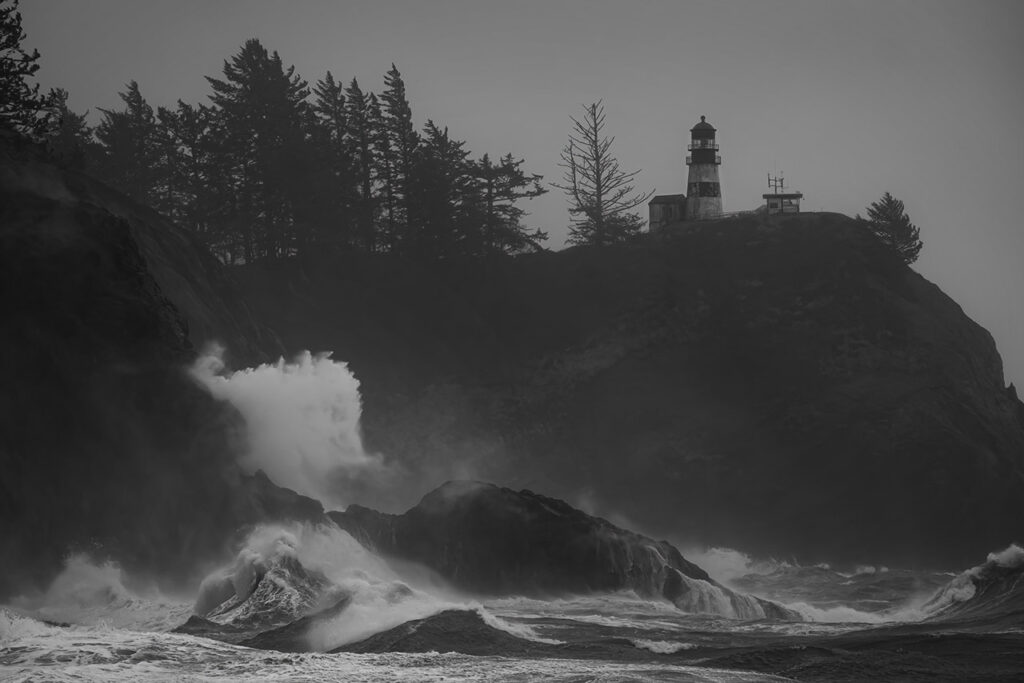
(303, 601)
(89, 625)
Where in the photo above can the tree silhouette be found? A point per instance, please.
(264, 111)
(890, 223)
(400, 147)
(500, 186)
(69, 139)
(22, 107)
(130, 158)
(601, 195)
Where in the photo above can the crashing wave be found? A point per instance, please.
(697, 596)
(302, 588)
(661, 647)
(266, 586)
(88, 593)
(992, 592)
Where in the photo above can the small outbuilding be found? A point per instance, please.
(778, 200)
(665, 209)
(788, 202)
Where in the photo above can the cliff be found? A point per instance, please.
(106, 445)
(778, 384)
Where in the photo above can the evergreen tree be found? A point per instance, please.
(601, 195)
(183, 134)
(129, 155)
(891, 224)
(329, 105)
(70, 138)
(501, 185)
(402, 143)
(359, 137)
(443, 192)
(383, 163)
(264, 111)
(335, 199)
(22, 107)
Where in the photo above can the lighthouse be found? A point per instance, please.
(704, 192)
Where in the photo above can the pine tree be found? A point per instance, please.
(128, 138)
(443, 192)
(359, 140)
(891, 224)
(383, 164)
(601, 195)
(22, 107)
(501, 185)
(188, 133)
(70, 138)
(336, 199)
(402, 143)
(265, 115)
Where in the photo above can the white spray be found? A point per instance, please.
(302, 423)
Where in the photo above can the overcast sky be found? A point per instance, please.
(921, 98)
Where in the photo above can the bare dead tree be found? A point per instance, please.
(601, 195)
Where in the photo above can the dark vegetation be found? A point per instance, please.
(22, 107)
(888, 221)
(272, 167)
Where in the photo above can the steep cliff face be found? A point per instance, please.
(780, 384)
(106, 445)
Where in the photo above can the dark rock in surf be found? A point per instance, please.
(293, 637)
(495, 541)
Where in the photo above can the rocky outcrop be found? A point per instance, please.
(779, 384)
(495, 541)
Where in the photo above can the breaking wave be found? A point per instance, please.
(991, 592)
(91, 593)
(662, 647)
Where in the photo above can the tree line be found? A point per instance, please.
(273, 166)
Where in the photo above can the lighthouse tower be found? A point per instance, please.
(704, 193)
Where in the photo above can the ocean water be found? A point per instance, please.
(868, 624)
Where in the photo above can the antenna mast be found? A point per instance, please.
(776, 183)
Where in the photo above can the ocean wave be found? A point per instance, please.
(518, 630)
(662, 647)
(91, 593)
(989, 592)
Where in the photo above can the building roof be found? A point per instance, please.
(668, 199)
(703, 125)
(784, 195)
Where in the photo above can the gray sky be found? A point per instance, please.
(922, 98)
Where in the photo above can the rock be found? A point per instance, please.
(497, 542)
